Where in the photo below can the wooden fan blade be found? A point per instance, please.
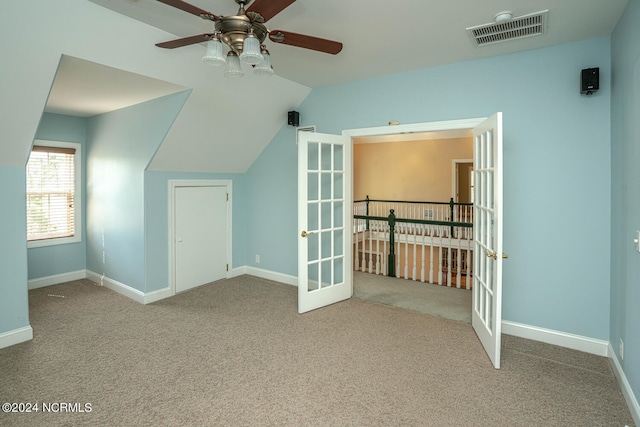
(189, 8)
(307, 42)
(172, 44)
(269, 8)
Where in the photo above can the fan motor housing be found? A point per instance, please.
(234, 30)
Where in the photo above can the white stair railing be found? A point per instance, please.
(425, 249)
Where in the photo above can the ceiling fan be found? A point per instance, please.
(244, 34)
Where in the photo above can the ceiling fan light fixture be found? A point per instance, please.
(214, 55)
(251, 50)
(243, 34)
(264, 68)
(233, 68)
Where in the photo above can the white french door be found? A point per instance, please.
(324, 220)
(487, 225)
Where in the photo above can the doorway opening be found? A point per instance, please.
(445, 175)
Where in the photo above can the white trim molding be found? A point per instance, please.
(16, 336)
(238, 271)
(446, 125)
(562, 339)
(625, 387)
(78, 195)
(55, 279)
(128, 291)
(271, 275)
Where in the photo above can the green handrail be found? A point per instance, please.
(416, 221)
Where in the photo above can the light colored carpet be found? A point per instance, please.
(436, 300)
(236, 353)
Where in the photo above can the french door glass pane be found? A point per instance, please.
(338, 158)
(313, 247)
(313, 277)
(313, 156)
(312, 186)
(312, 217)
(326, 157)
(338, 271)
(325, 278)
(338, 242)
(325, 215)
(326, 185)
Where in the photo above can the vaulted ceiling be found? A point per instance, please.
(380, 37)
(210, 134)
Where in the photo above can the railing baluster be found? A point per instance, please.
(469, 263)
(431, 251)
(424, 239)
(392, 256)
(440, 256)
(458, 266)
(444, 227)
(449, 261)
(377, 249)
(415, 254)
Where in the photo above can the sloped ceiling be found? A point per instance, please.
(226, 123)
(382, 37)
(211, 134)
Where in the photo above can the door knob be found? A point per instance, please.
(305, 234)
(494, 254)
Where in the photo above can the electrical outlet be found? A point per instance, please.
(621, 349)
(257, 259)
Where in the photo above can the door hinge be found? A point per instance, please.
(227, 267)
(227, 197)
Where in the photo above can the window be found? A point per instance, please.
(53, 193)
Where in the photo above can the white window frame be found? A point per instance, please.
(77, 203)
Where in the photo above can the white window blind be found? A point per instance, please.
(51, 193)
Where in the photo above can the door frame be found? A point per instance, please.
(454, 175)
(439, 126)
(172, 185)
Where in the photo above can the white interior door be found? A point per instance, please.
(324, 209)
(200, 215)
(487, 226)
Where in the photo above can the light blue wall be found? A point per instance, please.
(121, 145)
(50, 260)
(556, 165)
(14, 308)
(156, 191)
(625, 206)
(272, 216)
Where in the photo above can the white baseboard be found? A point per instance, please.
(158, 295)
(116, 286)
(629, 396)
(16, 336)
(271, 275)
(238, 271)
(128, 291)
(41, 282)
(562, 339)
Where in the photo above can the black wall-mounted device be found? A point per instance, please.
(294, 118)
(589, 81)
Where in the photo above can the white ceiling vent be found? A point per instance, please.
(519, 27)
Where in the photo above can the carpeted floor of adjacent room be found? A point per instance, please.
(236, 352)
